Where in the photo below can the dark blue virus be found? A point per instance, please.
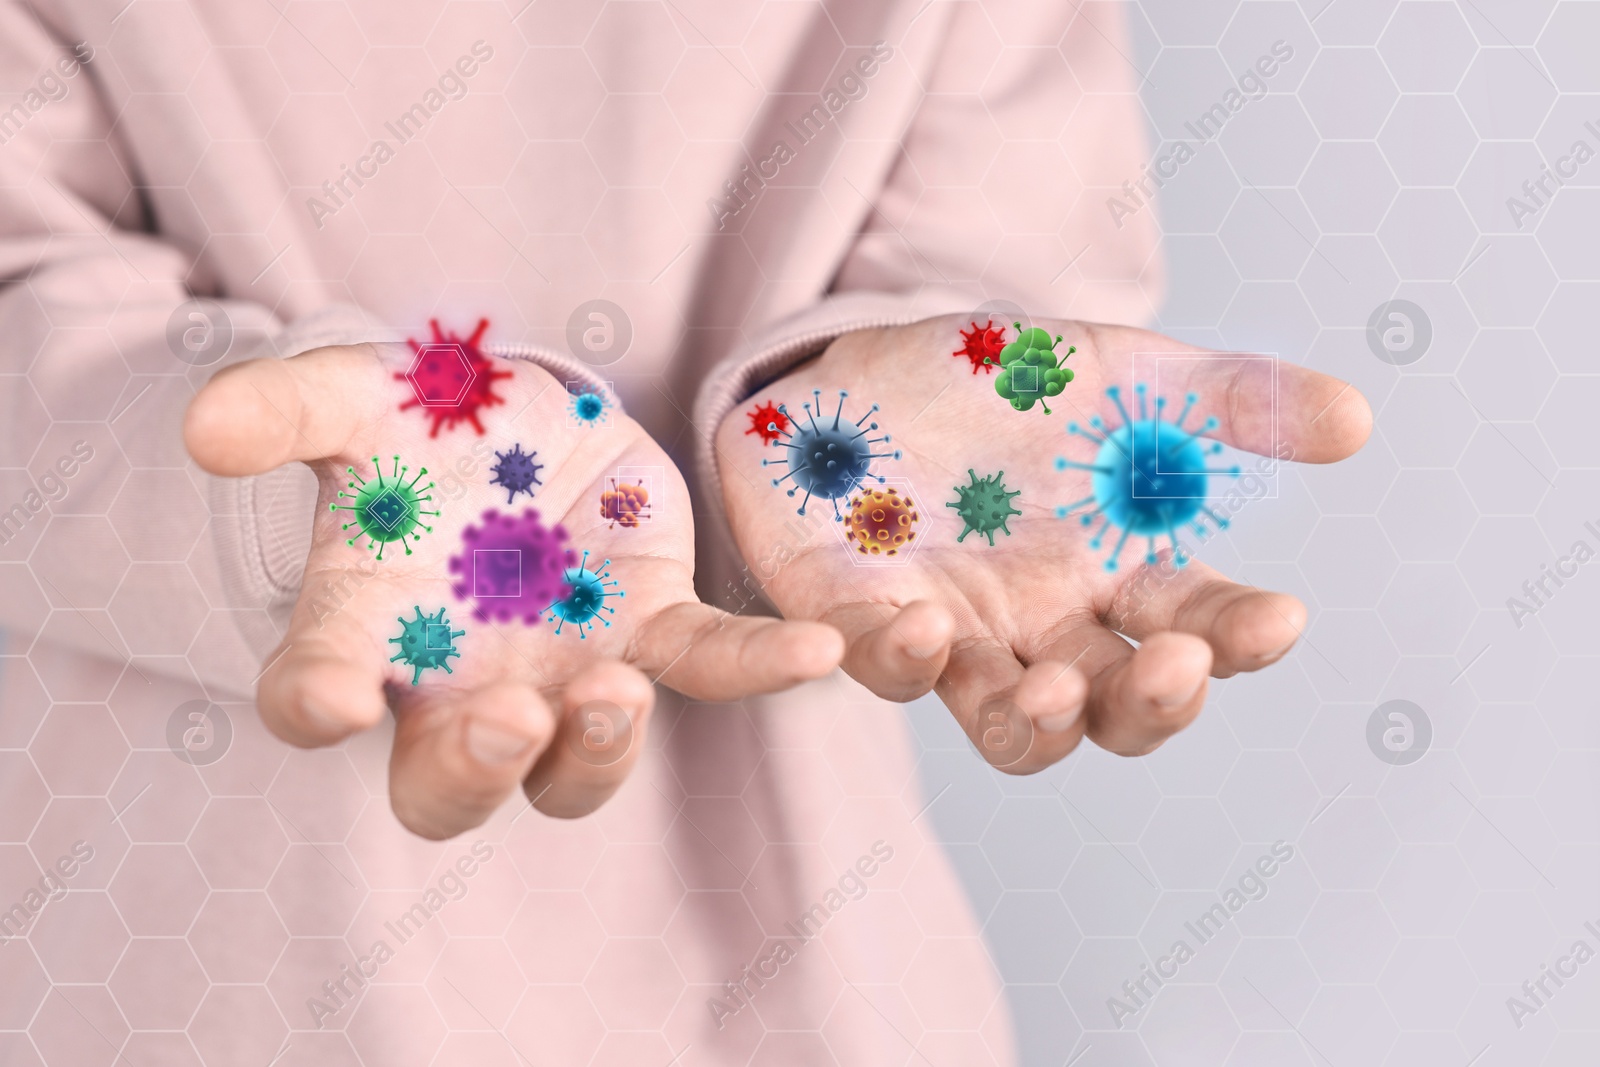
(586, 604)
(829, 460)
(1149, 476)
(516, 471)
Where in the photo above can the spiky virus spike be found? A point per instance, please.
(1149, 477)
(451, 379)
(984, 505)
(516, 471)
(585, 603)
(387, 510)
(589, 406)
(768, 422)
(829, 459)
(982, 346)
(426, 643)
(626, 504)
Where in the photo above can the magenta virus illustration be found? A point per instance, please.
(514, 567)
(516, 471)
(451, 379)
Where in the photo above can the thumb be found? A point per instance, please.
(259, 415)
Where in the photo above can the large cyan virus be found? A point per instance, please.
(387, 509)
(451, 379)
(516, 472)
(767, 422)
(881, 522)
(586, 603)
(829, 460)
(1030, 370)
(982, 346)
(1148, 477)
(512, 566)
(589, 405)
(984, 505)
(426, 643)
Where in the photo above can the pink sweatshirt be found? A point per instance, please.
(747, 181)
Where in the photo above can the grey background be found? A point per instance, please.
(1422, 896)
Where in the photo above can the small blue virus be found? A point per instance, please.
(589, 405)
(586, 603)
(516, 471)
(830, 461)
(426, 642)
(1149, 476)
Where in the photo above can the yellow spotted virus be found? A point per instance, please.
(881, 521)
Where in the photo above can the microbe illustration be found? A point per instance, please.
(881, 522)
(984, 505)
(829, 460)
(982, 346)
(426, 642)
(512, 566)
(589, 405)
(451, 378)
(516, 472)
(1030, 370)
(626, 504)
(769, 422)
(387, 509)
(586, 603)
(1148, 477)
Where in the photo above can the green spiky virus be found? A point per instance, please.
(1030, 370)
(387, 509)
(984, 505)
(426, 642)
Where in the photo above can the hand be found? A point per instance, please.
(1027, 641)
(562, 714)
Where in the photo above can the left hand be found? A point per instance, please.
(1027, 641)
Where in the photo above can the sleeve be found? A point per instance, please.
(996, 188)
(112, 543)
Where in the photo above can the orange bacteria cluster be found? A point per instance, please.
(626, 504)
(881, 521)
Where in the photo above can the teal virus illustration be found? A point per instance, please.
(426, 643)
(586, 603)
(825, 459)
(984, 505)
(387, 509)
(516, 472)
(1030, 370)
(1149, 476)
(590, 405)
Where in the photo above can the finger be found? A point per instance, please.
(325, 682)
(708, 654)
(605, 712)
(459, 753)
(259, 415)
(898, 653)
(1247, 628)
(1145, 698)
(1020, 719)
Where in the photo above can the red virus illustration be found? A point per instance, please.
(452, 379)
(513, 567)
(768, 421)
(625, 504)
(982, 346)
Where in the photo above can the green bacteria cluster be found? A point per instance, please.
(984, 505)
(1030, 370)
(426, 643)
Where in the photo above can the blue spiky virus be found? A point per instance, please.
(1148, 477)
(426, 642)
(516, 471)
(585, 603)
(589, 405)
(828, 459)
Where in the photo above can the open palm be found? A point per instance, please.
(562, 713)
(1030, 641)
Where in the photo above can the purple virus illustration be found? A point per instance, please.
(514, 567)
(516, 471)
